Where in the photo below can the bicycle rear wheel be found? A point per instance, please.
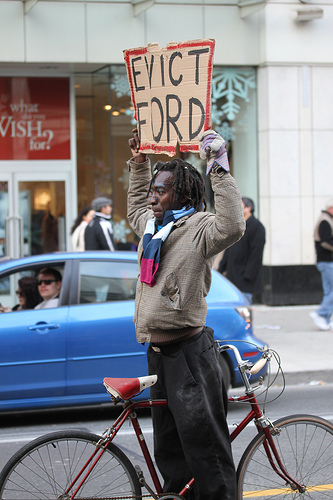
(305, 446)
(46, 467)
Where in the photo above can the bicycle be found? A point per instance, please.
(289, 458)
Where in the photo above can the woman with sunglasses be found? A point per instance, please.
(27, 294)
(49, 284)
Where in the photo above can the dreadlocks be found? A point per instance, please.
(187, 182)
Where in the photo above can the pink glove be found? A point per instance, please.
(212, 148)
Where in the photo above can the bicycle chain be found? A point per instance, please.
(147, 495)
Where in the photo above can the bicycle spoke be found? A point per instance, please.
(305, 447)
(47, 468)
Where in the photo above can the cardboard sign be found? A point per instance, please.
(171, 93)
(34, 118)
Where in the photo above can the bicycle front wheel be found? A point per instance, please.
(47, 467)
(305, 446)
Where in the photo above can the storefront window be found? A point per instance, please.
(105, 120)
(4, 214)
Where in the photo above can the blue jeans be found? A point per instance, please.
(326, 307)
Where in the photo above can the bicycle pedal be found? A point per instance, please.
(142, 481)
(138, 471)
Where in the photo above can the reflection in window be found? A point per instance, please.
(107, 281)
(4, 214)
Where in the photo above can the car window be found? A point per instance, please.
(107, 281)
(9, 286)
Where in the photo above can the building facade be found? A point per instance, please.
(66, 117)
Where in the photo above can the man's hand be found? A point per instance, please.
(134, 144)
(212, 149)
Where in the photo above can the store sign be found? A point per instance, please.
(171, 93)
(34, 118)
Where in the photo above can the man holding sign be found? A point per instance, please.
(179, 241)
(171, 93)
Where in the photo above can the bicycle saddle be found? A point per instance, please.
(126, 388)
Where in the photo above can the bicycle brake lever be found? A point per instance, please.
(260, 381)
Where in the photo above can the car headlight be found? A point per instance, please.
(246, 313)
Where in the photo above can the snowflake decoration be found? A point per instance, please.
(230, 83)
(120, 85)
(217, 114)
(120, 231)
(130, 112)
(225, 131)
(124, 178)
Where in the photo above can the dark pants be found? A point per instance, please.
(191, 437)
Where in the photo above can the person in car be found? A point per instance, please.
(27, 293)
(179, 241)
(49, 284)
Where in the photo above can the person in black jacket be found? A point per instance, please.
(242, 262)
(99, 232)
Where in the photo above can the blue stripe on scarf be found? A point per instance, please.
(152, 242)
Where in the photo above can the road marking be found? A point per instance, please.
(285, 491)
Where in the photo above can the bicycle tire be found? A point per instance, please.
(305, 446)
(45, 467)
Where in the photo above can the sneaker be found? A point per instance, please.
(319, 321)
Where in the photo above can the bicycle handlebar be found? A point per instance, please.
(258, 365)
(246, 366)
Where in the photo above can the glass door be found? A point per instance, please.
(42, 207)
(5, 209)
(34, 222)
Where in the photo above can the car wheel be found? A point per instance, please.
(226, 371)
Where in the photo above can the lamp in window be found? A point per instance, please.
(42, 198)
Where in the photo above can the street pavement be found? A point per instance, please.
(306, 353)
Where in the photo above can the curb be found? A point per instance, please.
(317, 377)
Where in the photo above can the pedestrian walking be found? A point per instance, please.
(79, 228)
(242, 262)
(323, 237)
(99, 232)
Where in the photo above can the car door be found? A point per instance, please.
(101, 339)
(33, 351)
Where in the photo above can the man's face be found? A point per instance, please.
(106, 210)
(161, 196)
(49, 289)
(246, 211)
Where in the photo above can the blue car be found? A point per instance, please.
(58, 357)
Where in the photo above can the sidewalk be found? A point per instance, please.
(306, 353)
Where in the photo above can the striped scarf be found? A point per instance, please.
(152, 242)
